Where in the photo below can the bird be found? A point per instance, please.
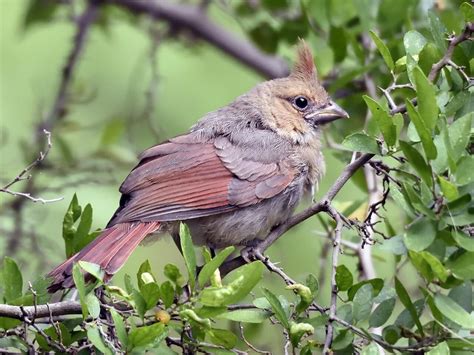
(236, 174)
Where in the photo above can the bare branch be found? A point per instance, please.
(83, 23)
(21, 176)
(194, 19)
(40, 311)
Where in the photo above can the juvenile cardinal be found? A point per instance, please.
(239, 172)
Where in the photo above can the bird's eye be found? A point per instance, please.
(300, 102)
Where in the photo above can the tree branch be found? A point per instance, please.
(316, 208)
(453, 42)
(21, 176)
(194, 19)
(335, 257)
(40, 311)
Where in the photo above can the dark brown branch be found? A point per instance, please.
(83, 23)
(194, 19)
(40, 311)
(453, 42)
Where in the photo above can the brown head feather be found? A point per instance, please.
(304, 66)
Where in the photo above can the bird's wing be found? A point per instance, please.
(188, 177)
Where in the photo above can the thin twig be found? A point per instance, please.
(242, 335)
(21, 176)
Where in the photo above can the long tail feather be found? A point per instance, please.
(109, 250)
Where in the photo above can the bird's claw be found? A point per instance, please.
(250, 254)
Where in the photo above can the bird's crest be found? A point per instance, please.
(304, 66)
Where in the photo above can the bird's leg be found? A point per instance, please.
(251, 253)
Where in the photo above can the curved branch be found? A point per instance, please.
(194, 19)
(321, 206)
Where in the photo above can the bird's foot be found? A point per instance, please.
(250, 254)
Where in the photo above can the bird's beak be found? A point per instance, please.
(328, 113)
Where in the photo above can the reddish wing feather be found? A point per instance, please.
(187, 178)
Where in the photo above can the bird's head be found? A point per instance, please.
(296, 106)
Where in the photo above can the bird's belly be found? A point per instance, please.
(246, 225)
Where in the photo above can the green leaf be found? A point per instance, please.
(222, 337)
(151, 294)
(72, 215)
(459, 135)
(119, 328)
(277, 308)
(406, 301)
(312, 283)
(449, 190)
(265, 36)
(246, 315)
(92, 269)
(427, 105)
(172, 272)
(297, 330)
(377, 285)
(83, 228)
(415, 200)
(12, 280)
(338, 43)
(382, 313)
(440, 349)
(421, 265)
(192, 316)
(436, 266)
(423, 131)
(362, 303)
(344, 278)
(463, 240)
(210, 267)
(464, 170)
(462, 266)
(383, 49)
(148, 336)
(414, 42)
(418, 163)
(167, 293)
(188, 253)
(383, 120)
(81, 287)
(419, 235)
(438, 31)
(39, 11)
(454, 312)
(140, 303)
(467, 11)
(306, 296)
(371, 349)
(95, 338)
(361, 142)
(244, 280)
(93, 305)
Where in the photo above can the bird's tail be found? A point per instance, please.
(109, 250)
